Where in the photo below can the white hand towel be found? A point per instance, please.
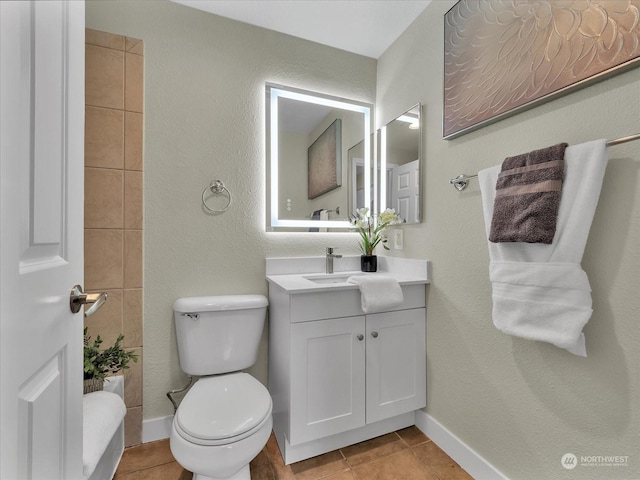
(540, 291)
(378, 293)
(102, 414)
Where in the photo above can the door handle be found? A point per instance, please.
(78, 298)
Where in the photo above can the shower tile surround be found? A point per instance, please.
(114, 86)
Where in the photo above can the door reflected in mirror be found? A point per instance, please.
(357, 179)
(400, 152)
(309, 137)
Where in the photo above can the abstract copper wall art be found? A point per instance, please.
(501, 56)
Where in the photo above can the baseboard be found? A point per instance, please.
(465, 456)
(155, 429)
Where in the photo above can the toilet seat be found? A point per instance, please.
(223, 409)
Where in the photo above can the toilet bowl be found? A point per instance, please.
(225, 419)
(221, 425)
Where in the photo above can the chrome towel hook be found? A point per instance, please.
(216, 187)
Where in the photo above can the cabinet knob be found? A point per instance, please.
(360, 337)
(374, 334)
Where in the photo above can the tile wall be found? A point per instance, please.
(114, 93)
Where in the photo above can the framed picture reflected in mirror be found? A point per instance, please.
(325, 161)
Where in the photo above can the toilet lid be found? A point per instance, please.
(223, 407)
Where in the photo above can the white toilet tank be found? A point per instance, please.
(219, 334)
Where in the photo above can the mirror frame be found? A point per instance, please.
(382, 160)
(274, 93)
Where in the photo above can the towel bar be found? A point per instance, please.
(337, 211)
(461, 181)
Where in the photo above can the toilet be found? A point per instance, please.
(224, 421)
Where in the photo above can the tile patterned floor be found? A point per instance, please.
(406, 454)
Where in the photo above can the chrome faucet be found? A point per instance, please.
(330, 257)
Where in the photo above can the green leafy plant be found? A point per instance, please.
(371, 227)
(102, 363)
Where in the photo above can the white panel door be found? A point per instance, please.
(41, 242)
(396, 363)
(327, 378)
(406, 191)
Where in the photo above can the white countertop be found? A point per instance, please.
(296, 275)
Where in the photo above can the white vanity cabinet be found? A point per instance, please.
(338, 376)
(349, 372)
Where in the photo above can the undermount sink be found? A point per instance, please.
(329, 278)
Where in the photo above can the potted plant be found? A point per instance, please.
(370, 229)
(98, 364)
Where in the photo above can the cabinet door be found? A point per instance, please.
(327, 378)
(396, 363)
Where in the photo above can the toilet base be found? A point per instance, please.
(243, 474)
(222, 459)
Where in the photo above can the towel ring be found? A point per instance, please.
(216, 187)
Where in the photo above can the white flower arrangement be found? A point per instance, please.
(370, 228)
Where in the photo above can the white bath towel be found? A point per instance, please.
(540, 291)
(378, 293)
(102, 414)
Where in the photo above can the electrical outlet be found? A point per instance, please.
(398, 238)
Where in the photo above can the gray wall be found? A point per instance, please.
(521, 404)
(204, 120)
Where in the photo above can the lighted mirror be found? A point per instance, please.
(309, 140)
(400, 157)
